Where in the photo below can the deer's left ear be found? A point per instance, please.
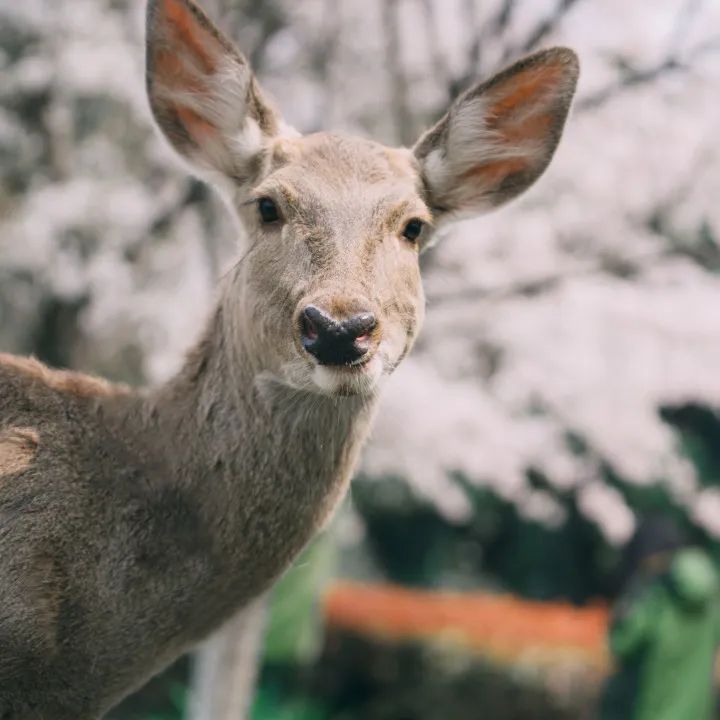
(202, 92)
(499, 136)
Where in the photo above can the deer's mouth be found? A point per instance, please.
(359, 378)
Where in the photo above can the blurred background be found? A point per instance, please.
(567, 380)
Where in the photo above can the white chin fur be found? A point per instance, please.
(348, 381)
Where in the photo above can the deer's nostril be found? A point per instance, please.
(314, 326)
(309, 330)
(336, 342)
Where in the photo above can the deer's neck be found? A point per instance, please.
(265, 463)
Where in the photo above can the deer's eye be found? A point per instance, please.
(268, 210)
(413, 229)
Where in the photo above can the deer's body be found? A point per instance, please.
(156, 514)
(132, 524)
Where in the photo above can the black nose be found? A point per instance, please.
(336, 342)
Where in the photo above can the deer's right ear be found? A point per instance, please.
(202, 91)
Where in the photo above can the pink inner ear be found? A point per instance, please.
(527, 92)
(199, 129)
(184, 59)
(520, 114)
(187, 35)
(492, 173)
(173, 72)
(477, 182)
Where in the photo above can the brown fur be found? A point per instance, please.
(18, 446)
(133, 523)
(64, 381)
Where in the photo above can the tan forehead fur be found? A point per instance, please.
(339, 158)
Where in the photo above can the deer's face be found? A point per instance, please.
(329, 295)
(331, 279)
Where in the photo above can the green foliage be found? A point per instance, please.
(270, 704)
(496, 547)
(698, 430)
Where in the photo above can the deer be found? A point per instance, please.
(136, 522)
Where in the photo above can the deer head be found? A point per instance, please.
(328, 296)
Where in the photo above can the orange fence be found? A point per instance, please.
(502, 628)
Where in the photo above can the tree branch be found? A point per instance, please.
(633, 77)
(437, 58)
(402, 118)
(542, 29)
(617, 266)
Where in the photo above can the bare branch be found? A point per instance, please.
(621, 267)
(478, 36)
(633, 77)
(674, 61)
(540, 32)
(324, 59)
(504, 16)
(437, 58)
(404, 130)
(495, 28)
(491, 32)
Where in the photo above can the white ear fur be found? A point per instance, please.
(498, 137)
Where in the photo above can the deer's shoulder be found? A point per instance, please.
(41, 407)
(31, 372)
